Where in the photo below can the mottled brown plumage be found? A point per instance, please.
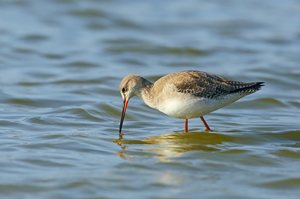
(202, 84)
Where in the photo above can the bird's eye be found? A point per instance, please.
(123, 90)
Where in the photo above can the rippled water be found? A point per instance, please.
(61, 62)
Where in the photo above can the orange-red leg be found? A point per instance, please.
(186, 125)
(205, 124)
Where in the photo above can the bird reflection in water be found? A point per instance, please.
(167, 146)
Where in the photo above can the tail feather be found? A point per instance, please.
(248, 87)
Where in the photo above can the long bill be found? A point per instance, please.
(125, 104)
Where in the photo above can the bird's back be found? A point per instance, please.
(202, 84)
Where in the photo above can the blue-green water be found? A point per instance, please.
(61, 62)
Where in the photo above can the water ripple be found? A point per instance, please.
(60, 105)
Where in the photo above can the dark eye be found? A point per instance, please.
(123, 90)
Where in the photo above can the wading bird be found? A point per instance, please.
(186, 94)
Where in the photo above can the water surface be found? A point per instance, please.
(61, 63)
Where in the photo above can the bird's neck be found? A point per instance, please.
(145, 94)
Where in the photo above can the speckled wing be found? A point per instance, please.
(206, 85)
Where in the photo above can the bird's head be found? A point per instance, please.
(130, 86)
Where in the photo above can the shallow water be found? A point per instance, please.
(61, 63)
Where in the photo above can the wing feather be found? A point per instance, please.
(202, 84)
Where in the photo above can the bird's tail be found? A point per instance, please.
(247, 87)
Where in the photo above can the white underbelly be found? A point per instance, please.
(191, 107)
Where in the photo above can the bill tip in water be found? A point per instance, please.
(121, 135)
